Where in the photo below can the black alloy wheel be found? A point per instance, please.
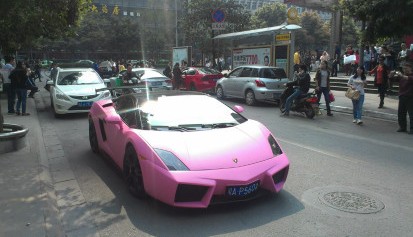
(220, 93)
(250, 98)
(132, 173)
(93, 139)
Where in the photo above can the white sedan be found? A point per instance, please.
(74, 90)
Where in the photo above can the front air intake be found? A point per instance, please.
(190, 193)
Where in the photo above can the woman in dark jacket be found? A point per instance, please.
(177, 73)
(19, 78)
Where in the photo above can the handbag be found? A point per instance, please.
(331, 96)
(352, 94)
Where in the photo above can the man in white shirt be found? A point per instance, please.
(11, 93)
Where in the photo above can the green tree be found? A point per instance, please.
(195, 24)
(380, 18)
(314, 33)
(24, 22)
(269, 15)
(350, 32)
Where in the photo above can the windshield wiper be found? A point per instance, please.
(218, 125)
(173, 128)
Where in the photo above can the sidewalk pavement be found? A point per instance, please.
(30, 197)
(371, 102)
(27, 201)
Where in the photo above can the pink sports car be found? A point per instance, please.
(187, 149)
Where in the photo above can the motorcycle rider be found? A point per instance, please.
(129, 75)
(301, 86)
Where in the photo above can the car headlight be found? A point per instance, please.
(106, 94)
(60, 95)
(276, 149)
(171, 161)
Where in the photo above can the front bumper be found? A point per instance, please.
(199, 189)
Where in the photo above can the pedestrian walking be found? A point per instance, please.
(11, 93)
(381, 76)
(168, 70)
(322, 79)
(19, 77)
(405, 80)
(357, 82)
(347, 67)
(177, 75)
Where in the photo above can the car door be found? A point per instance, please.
(189, 75)
(230, 83)
(242, 82)
(115, 138)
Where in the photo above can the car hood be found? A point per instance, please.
(80, 89)
(220, 148)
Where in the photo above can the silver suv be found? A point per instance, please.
(253, 83)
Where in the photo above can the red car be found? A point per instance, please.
(200, 78)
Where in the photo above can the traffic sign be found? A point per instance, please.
(218, 15)
(219, 25)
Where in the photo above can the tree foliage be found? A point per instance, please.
(383, 18)
(24, 22)
(269, 15)
(315, 34)
(196, 21)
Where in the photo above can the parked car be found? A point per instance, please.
(187, 149)
(200, 78)
(149, 77)
(253, 83)
(74, 90)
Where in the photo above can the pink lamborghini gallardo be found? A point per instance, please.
(187, 149)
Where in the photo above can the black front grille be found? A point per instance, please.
(84, 97)
(190, 193)
(280, 176)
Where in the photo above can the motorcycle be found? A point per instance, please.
(305, 104)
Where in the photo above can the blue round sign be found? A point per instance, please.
(218, 16)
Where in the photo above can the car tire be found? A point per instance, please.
(220, 93)
(93, 138)
(250, 98)
(192, 87)
(132, 173)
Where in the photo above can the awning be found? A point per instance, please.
(256, 32)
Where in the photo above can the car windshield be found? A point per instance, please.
(180, 113)
(78, 78)
(149, 74)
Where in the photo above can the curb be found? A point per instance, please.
(366, 113)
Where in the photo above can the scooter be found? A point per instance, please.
(304, 104)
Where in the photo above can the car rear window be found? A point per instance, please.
(273, 73)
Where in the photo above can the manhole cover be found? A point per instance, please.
(352, 202)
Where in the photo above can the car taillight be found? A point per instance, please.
(169, 81)
(259, 83)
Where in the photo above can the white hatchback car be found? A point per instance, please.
(74, 90)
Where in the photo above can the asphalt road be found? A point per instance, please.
(344, 180)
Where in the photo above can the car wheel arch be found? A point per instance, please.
(139, 192)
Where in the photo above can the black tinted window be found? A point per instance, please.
(273, 73)
(246, 72)
(236, 72)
